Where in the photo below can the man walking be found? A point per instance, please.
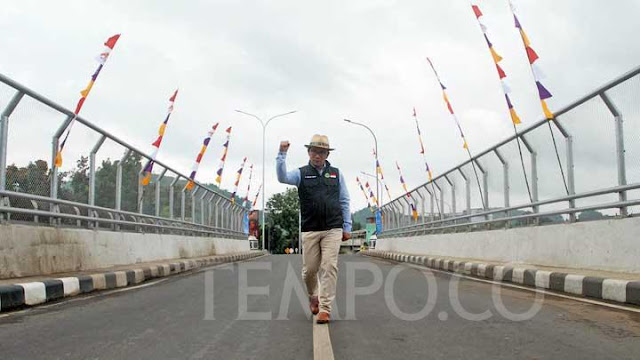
(326, 220)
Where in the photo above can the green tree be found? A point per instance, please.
(282, 220)
(106, 184)
(79, 181)
(130, 169)
(32, 179)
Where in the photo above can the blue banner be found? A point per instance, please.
(245, 223)
(378, 222)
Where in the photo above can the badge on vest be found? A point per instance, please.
(310, 176)
(332, 175)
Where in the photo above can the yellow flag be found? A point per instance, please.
(497, 58)
(546, 110)
(514, 117)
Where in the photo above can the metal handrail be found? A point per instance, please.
(188, 226)
(612, 190)
(522, 217)
(50, 103)
(534, 126)
(398, 215)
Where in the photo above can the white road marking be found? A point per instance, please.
(322, 349)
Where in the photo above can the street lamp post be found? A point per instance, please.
(375, 140)
(264, 185)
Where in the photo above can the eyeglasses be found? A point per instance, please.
(319, 151)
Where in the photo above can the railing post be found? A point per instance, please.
(392, 216)
(182, 203)
(421, 205)
(485, 186)
(620, 150)
(467, 190)
(534, 175)
(171, 195)
(505, 184)
(571, 187)
(193, 204)
(225, 215)
(534, 180)
(453, 196)
(140, 191)
(92, 170)
(218, 211)
(54, 150)
(570, 176)
(158, 185)
(442, 215)
(4, 136)
(210, 206)
(126, 155)
(118, 199)
(234, 217)
(384, 217)
(205, 193)
(432, 202)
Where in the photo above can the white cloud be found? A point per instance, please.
(359, 59)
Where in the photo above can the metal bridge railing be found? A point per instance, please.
(589, 173)
(110, 197)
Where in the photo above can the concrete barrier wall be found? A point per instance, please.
(34, 250)
(612, 245)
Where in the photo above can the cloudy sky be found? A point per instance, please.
(363, 60)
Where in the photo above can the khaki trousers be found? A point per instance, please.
(321, 250)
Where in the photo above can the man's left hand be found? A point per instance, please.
(346, 236)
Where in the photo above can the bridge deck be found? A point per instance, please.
(167, 320)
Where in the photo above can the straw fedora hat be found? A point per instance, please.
(319, 141)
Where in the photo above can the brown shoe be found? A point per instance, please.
(314, 305)
(323, 318)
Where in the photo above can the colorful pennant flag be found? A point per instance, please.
(449, 107)
(256, 199)
(371, 194)
(194, 169)
(223, 159)
(102, 59)
(238, 177)
(465, 144)
(379, 171)
(245, 201)
(364, 193)
(543, 93)
(156, 144)
(414, 212)
(404, 185)
(496, 59)
(424, 155)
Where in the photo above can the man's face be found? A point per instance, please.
(318, 156)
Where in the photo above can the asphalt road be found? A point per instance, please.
(202, 316)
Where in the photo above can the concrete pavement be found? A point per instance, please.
(173, 319)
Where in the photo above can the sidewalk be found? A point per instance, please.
(603, 285)
(34, 290)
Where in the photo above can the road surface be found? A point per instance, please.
(201, 315)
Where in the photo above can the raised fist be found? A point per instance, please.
(284, 146)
